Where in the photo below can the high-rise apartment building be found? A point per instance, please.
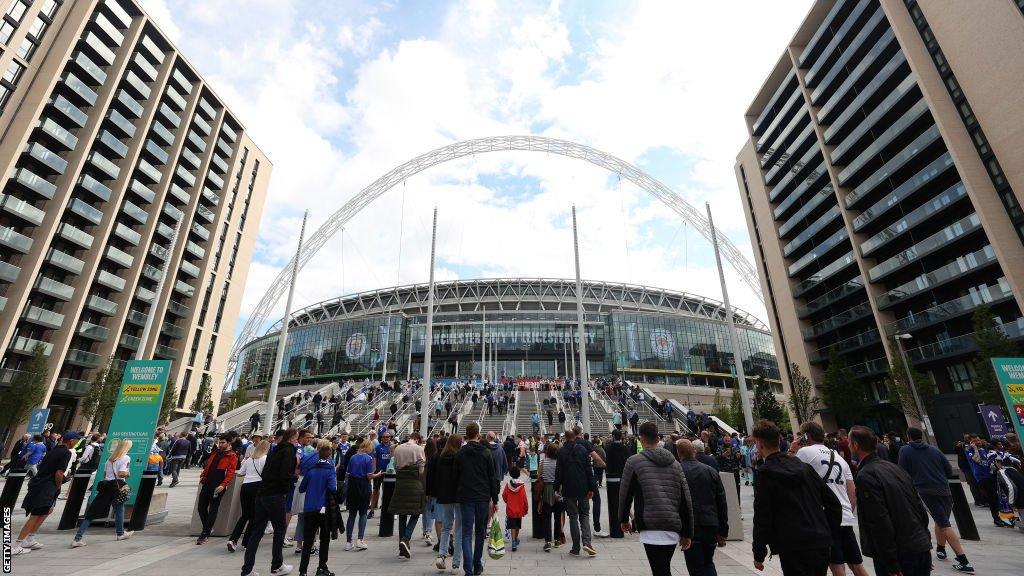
(124, 173)
(882, 183)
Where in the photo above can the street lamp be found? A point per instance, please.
(913, 387)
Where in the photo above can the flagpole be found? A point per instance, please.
(283, 336)
(584, 369)
(429, 343)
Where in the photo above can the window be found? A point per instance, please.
(13, 73)
(49, 8)
(961, 376)
(6, 30)
(17, 10)
(27, 48)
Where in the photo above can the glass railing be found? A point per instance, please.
(163, 133)
(108, 167)
(89, 67)
(22, 209)
(151, 272)
(914, 217)
(131, 103)
(927, 174)
(147, 68)
(190, 158)
(119, 256)
(85, 210)
(837, 39)
(880, 77)
(886, 170)
(159, 251)
(138, 84)
(64, 261)
(177, 308)
(812, 178)
(806, 135)
(145, 294)
(819, 250)
(952, 308)
(152, 49)
(839, 68)
(9, 272)
(115, 35)
(824, 220)
(118, 119)
(179, 193)
(137, 318)
(165, 230)
(880, 143)
(176, 98)
(217, 160)
(188, 177)
(96, 187)
(229, 132)
(81, 88)
(75, 235)
(84, 359)
(120, 149)
(196, 250)
(870, 368)
(47, 157)
(27, 345)
(217, 181)
(211, 196)
(855, 285)
(93, 331)
(58, 133)
(189, 268)
(112, 281)
(130, 342)
(930, 244)
(197, 141)
(205, 212)
(15, 240)
(173, 212)
(207, 108)
(202, 125)
(157, 152)
(200, 231)
(865, 338)
(185, 289)
(34, 182)
(784, 112)
(102, 305)
(72, 386)
(43, 317)
(70, 110)
(127, 234)
(824, 274)
(101, 49)
(143, 191)
(868, 123)
(843, 318)
(165, 352)
(955, 269)
(53, 288)
(183, 82)
(173, 330)
(147, 170)
(135, 212)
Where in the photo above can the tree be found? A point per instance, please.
(737, 420)
(101, 398)
(900, 392)
(766, 406)
(992, 343)
(803, 402)
(720, 408)
(170, 402)
(26, 391)
(238, 397)
(843, 393)
(204, 398)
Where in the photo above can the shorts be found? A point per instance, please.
(844, 547)
(378, 482)
(39, 511)
(513, 523)
(939, 507)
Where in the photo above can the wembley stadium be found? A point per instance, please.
(527, 326)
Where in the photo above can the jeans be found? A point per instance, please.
(268, 509)
(118, 507)
(174, 467)
(659, 556)
(450, 516)
(910, 564)
(579, 520)
(597, 510)
(700, 557)
(552, 528)
(300, 528)
(209, 503)
(429, 515)
(536, 428)
(314, 522)
(350, 525)
(474, 532)
(247, 499)
(988, 487)
(406, 526)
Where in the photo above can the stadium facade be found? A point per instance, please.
(644, 334)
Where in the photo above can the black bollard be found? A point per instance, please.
(536, 488)
(387, 520)
(143, 498)
(962, 512)
(76, 496)
(15, 480)
(614, 527)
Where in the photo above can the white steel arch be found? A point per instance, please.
(468, 148)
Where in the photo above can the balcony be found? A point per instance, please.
(863, 71)
(845, 317)
(940, 239)
(147, 68)
(916, 216)
(189, 268)
(183, 82)
(159, 251)
(23, 345)
(137, 83)
(196, 141)
(178, 309)
(229, 132)
(893, 131)
(190, 158)
(169, 115)
(55, 289)
(86, 211)
(137, 318)
(87, 94)
(152, 49)
(120, 149)
(22, 209)
(210, 196)
(173, 212)
(75, 235)
(135, 212)
(200, 231)
(145, 294)
(886, 171)
(152, 272)
(224, 147)
(195, 249)
(163, 133)
(824, 274)
(127, 234)
(89, 67)
(207, 108)
(173, 331)
(93, 331)
(839, 237)
(176, 98)
(9, 272)
(95, 187)
(184, 289)
(118, 256)
(69, 110)
(205, 213)
(72, 386)
(100, 48)
(58, 133)
(34, 183)
(180, 194)
(104, 165)
(953, 308)
(46, 157)
(960, 267)
(122, 123)
(854, 286)
(101, 305)
(147, 170)
(217, 181)
(203, 125)
(157, 152)
(83, 359)
(219, 162)
(808, 232)
(112, 281)
(870, 368)
(43, 317)
(165, 352)
(64, 261)
(916, 182)
(165, 230)
(865, 338)
(130, 103)
(130, 342)
(143, 191)
(185, 176)
(14, 240)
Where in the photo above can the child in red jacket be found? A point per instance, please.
(516, 505)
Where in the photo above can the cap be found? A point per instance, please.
(68, 436)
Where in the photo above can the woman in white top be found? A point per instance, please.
(115, 473)
(252, 471)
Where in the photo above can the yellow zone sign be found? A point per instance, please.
(146, 389)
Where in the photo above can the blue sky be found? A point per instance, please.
(339, 92)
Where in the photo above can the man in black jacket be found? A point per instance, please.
(277, 481)
(893, 521)
(795, 513)
(617, 454)
(477, 487)
(574, 480)
(710, 511)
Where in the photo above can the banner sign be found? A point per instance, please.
(1010, 373)
(995, 423)
(136, 415)
(37, 421)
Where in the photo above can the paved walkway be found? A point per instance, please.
(166, 549)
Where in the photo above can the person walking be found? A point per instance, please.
(17, 461)
(981, 469)
(477, 487)
(574, 482)
(408, 499)
(254, 422)
(381, 461)
(43, 489)
(178, 452)
(360, 474)
(795, 513)
(551, 503)
(830, 466)
(710, 511)
(441, 475)
(213, 481)
(616, 453)
(252, 472)
(431, 447)
(319, 480)
(115, 474)
(33, 454)
(893, 522)
(930, 471)
(535, 422)
(654, 487)
(270, 505)
(516, 505)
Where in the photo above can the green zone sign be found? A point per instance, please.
(1010, 373)
(136, 414)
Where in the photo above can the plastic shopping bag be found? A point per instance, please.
(496, 542)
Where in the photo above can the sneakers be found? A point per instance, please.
(403, 549)
(348, 546)
(601, 534)
(77, 543)
(18, 550)
(232, 546)
(964, 567)
(440, 563)
(589, 550)
(281, 570)
(128, 534)
(361, 545)
(427, 540)
(547, 546)
(370, 515)
(557, 542)
(288, 542)
(321, 571)
(940, 552)
(31, 545)
(199, 542)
